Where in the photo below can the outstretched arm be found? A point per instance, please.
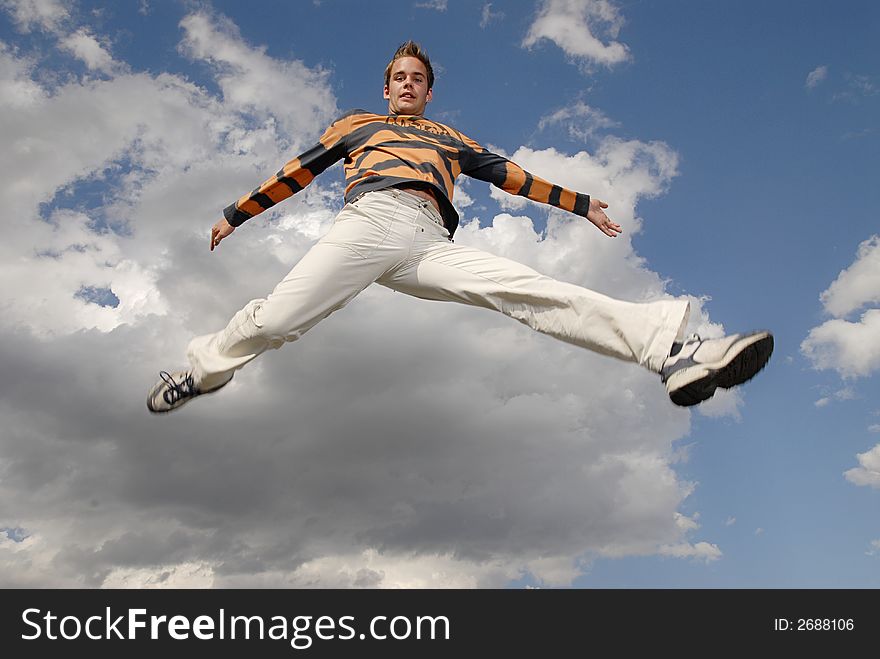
(292, 178)
(484, 165)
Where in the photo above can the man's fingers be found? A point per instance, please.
(220, 231)
(611, 229)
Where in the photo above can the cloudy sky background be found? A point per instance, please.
(403, 443)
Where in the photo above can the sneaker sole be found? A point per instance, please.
(743, 361)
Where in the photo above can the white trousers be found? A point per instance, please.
(398, 240)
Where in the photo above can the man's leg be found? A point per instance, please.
(363, 243)
(326, 279)
(637, 332)
(649, 334)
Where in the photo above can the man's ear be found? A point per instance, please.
(429, 96)
(386, 94)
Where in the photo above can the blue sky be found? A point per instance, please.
(737, 144)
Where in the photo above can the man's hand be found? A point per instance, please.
(219, 231)
(597, 216)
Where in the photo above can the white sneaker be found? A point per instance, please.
(693, 373)
(173, 390)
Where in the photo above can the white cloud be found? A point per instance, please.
(371, 568)
(857, 285)
(730, 521)
(17, 88)
(160, 138)
(852, 348)
(875, 548)
(86, 48)
(436, 5)
(488, 16)
(45, 14)
(461, 199)
(577, 26)
(704, 551)
(816, 76)
(579, 119)
(381, 450)
(183, 575)
(863, 85)
(686, 523)
(725, 403)
(847, 393)
(858, 87)
(290, 93)
(868, 471)
(148, 125)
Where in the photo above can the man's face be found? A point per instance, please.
(407, 89)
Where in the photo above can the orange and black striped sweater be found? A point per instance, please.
(383, 151)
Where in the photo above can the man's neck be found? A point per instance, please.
(392, 113)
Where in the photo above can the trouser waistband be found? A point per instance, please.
(414, 201)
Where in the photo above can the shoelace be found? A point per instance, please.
(676, 347)
(177, 390)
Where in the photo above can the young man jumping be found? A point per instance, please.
(396, 229)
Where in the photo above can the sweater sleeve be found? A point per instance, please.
(294, 176)
(484, 165)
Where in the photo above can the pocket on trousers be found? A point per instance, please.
(358, 233)
(254, 312)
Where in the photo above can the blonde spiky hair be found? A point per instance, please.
(411, 49)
